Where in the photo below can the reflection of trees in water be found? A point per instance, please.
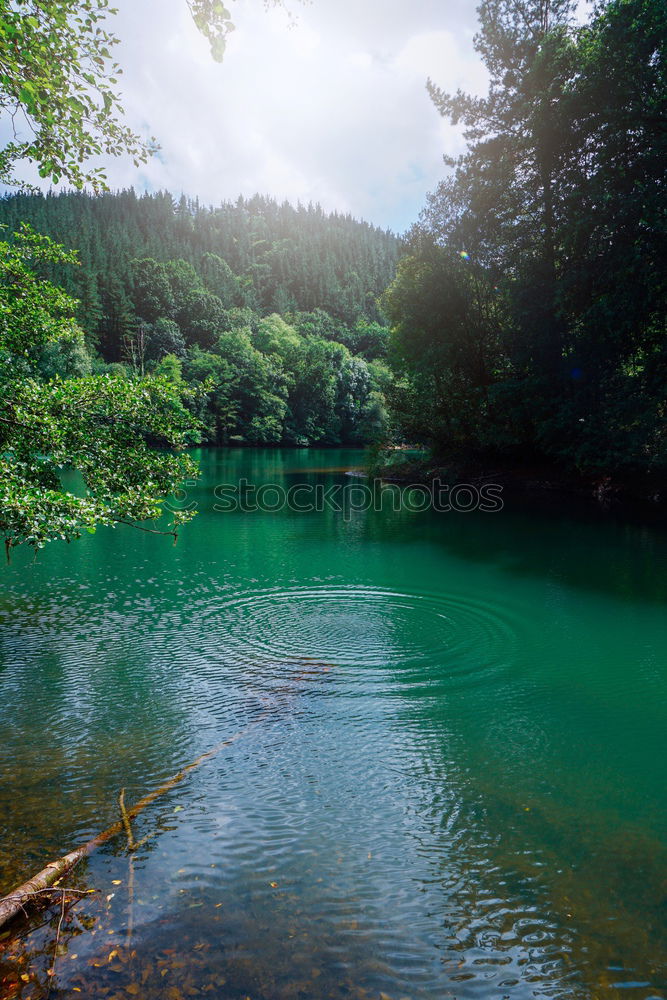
(564, 540)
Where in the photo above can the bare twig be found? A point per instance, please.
(131, 848)
(150, 531)
(52, 971)
(65, 892)
(131, 845)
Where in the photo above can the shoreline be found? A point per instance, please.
(532, 486)
(538, 482)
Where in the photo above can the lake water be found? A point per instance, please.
(449, 776)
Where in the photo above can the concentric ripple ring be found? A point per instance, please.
(364, 626)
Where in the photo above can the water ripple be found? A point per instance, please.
(361, 626)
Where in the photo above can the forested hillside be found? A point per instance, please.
(283, 258)
(273, 309)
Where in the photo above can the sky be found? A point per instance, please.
(328, 106)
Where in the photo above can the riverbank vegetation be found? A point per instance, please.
(529, 312)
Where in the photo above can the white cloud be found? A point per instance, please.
(332, 110)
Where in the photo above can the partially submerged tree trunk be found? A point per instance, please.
(33, 890)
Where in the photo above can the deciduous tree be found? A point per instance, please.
(108, 428)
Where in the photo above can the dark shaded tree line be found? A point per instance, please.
(529, 312)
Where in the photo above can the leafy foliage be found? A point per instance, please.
(446, 336)
(105, 427)
(251, 253)
(58, 84)
(214, 21)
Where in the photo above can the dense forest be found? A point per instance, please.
(519, 325)
(269, 311)
(529, 314)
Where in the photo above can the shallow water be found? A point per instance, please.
(451, 778)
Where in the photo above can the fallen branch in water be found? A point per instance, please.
(33, 890)
(131, 843)
(131, 848)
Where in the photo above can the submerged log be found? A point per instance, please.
(33, 890)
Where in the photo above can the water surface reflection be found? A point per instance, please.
(455, 786)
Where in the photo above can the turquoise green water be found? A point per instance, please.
(450, 774)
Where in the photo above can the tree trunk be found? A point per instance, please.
(33, 890)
